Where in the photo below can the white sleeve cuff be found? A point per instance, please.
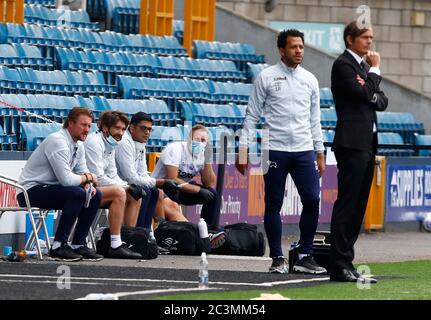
(375, 70)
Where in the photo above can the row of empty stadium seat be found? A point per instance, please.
(27, 80)
(230, 115)
(145, 65)
(46, 3)
(326, 98)
(240, 53)
(56, 108)
(8, 142)
(395, 139)
(23, 55)
(400, 122)
(171, 90)
(423, 140)
(124, 15)
(253, 69)
(328, 118)
(58, 17)
(34, 133)
(50, 37)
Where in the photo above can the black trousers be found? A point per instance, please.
(355, 175)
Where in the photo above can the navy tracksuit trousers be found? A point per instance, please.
(71, 201)
(303, 169)
(148, 206)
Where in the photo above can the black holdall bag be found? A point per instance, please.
(321, 251)
(242, 239)
(137, 239)
(181, 238)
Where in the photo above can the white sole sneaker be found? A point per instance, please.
(300, 269)
(280, 271)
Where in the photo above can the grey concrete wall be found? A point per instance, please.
(239, 28)
(405, 48)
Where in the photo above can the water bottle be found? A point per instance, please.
(203, 229)
(203, 271)
(43, 246)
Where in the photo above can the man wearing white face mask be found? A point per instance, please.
(183, 161)
(121, 198)
(131, 163)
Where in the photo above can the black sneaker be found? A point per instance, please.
(122, 252)
(163, 250)
(64, 253)
(217, 239)
(279, 265)
(88, 254)
(308, 265)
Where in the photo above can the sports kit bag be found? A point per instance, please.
(181, 238)
(321, 250)
(137, 239)
(242, 239)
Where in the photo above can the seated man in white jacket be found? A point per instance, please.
(131, 163)
(56, 177)
(100, 155)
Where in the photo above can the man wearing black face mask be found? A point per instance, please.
(121, 198)
(183, 161)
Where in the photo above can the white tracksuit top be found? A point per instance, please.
(100, 158)
(57, 160)
(130, 157)
(289, 101)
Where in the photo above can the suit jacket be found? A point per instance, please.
(353, 103)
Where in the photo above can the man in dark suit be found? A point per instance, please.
(357, 96)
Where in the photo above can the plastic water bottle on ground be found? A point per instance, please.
(203, 229)
(203, 272)
(43, 246)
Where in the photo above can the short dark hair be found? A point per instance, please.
(110, 118)
(140, 116)
(354, 31)
(74, 114)
(282, 37)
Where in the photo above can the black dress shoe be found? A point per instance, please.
(363, 279)
(122, 252)
(344, 275)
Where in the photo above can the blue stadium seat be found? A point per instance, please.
(394, 139)
(402, 123)
(328, 118)
(34, 133)
(326, 99)
(423, 140)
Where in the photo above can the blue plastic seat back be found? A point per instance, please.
(31, 131)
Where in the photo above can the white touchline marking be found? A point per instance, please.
(262, 284)
(124, 294)
(220, 256)
(49, 281)
(276, 283)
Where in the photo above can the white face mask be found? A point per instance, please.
(112, 142)
(198, 147)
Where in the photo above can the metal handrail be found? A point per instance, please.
(13, 182)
